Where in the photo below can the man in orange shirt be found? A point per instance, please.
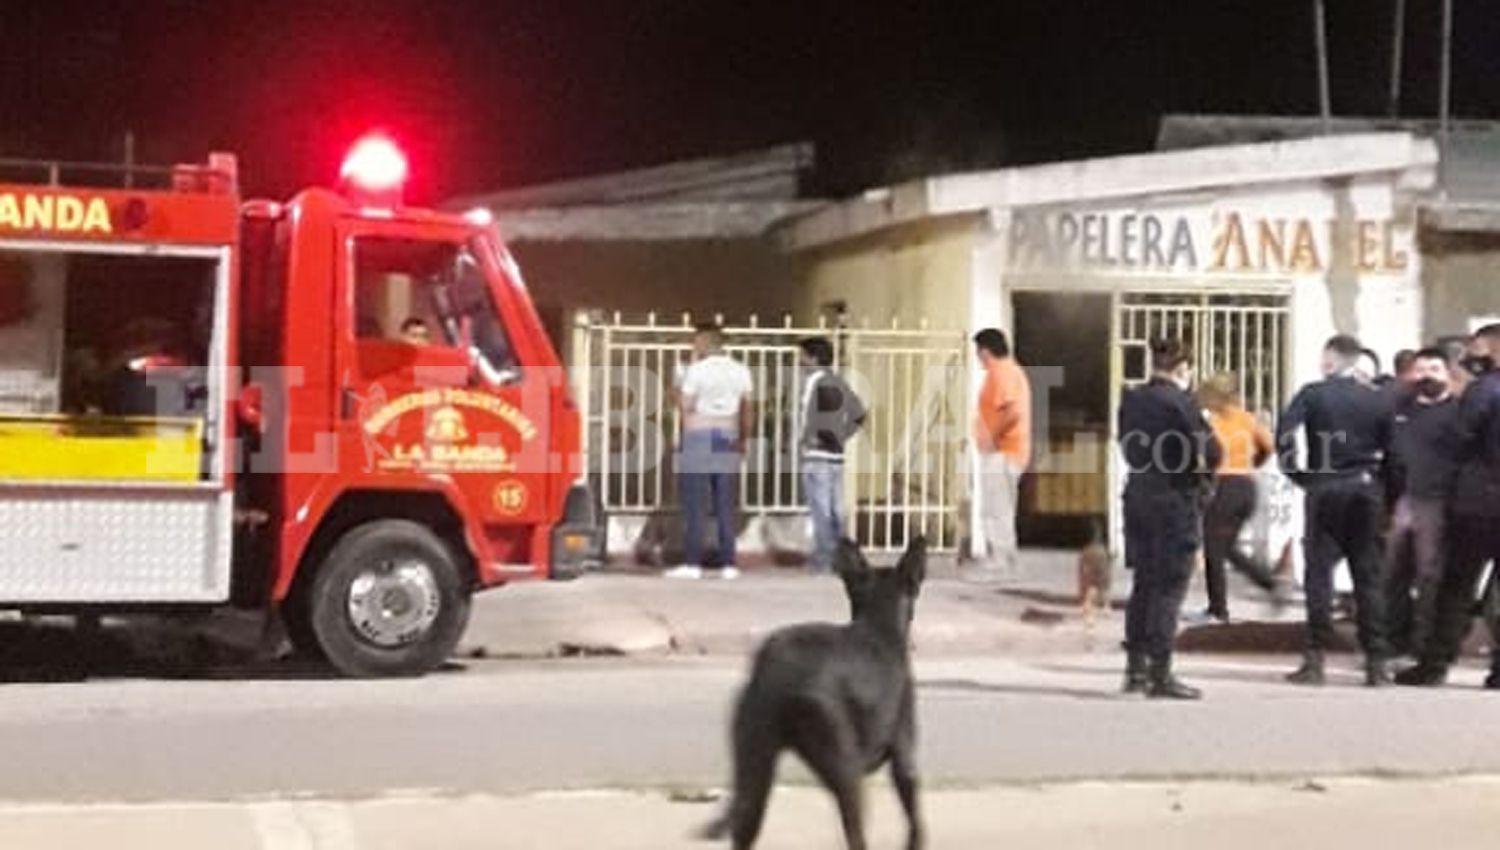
(1002, 436)
(1247, 444)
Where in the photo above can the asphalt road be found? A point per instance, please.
(506, 727)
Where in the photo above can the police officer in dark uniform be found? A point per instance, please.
(1171, 453)
(1474, 521)
(1332, 441)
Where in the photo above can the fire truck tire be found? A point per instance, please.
(389, 600)
(296, 616)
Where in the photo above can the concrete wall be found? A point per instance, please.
(910, 276)
(733, 277)
(914, 274)
(1460, 280)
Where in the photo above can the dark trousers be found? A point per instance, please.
(1232, 505)
(708, 477)
(1343, 521)
(1473, 542)
(1163, 528)
(1414, 570)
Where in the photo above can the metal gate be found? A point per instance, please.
(903, 473)
(1243, 333)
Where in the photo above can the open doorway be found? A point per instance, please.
(1063, 339)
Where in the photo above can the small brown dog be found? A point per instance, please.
(1095, 573)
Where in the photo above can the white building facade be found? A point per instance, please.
(1253, 254)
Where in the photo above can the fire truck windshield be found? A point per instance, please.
(440, 285)
(467, 310)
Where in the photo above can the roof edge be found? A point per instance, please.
(1107, 178)
(686, 179)
(651, 222)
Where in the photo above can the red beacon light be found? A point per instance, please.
(375, 170)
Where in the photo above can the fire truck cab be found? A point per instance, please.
(338, 409)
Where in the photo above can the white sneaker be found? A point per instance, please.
(1199, 618)
(685, 571)
(729, 573)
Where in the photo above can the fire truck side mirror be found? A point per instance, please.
(250, 405)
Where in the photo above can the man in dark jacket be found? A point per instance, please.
(1424, 463)
(1402, 389)
(1474, 524)
(1332, 441)
(1171, 455)
(831, 414)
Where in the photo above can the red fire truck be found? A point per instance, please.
(340, 409)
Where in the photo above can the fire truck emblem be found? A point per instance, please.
(447, 426)
(460, 431)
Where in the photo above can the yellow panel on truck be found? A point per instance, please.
(111, 448)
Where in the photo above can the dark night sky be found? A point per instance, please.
(494, 93)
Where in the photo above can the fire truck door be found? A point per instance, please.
(435, 388)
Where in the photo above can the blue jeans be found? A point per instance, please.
(708, 470)
(823, 487)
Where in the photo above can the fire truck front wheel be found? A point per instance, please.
(389, 600)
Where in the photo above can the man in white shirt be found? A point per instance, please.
(714, 397)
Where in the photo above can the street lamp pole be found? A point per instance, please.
(1320, 35)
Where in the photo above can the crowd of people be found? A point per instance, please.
(1401, 477)
(713, 393)
(715, 404)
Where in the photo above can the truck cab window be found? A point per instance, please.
(394, 280)
(430, 294)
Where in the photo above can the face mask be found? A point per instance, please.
(1431, 387)
(1478, 364)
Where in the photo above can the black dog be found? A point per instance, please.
(841, 697)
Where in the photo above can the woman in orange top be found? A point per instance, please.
(1247, 444)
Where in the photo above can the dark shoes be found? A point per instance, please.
(1493, 680)
(1155, 680)
(1310, 673)
(1166, 686)
(1170, 687)
(1422, 675)
(1377, 672)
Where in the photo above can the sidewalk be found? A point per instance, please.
(640, 613)
(1029, 613)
